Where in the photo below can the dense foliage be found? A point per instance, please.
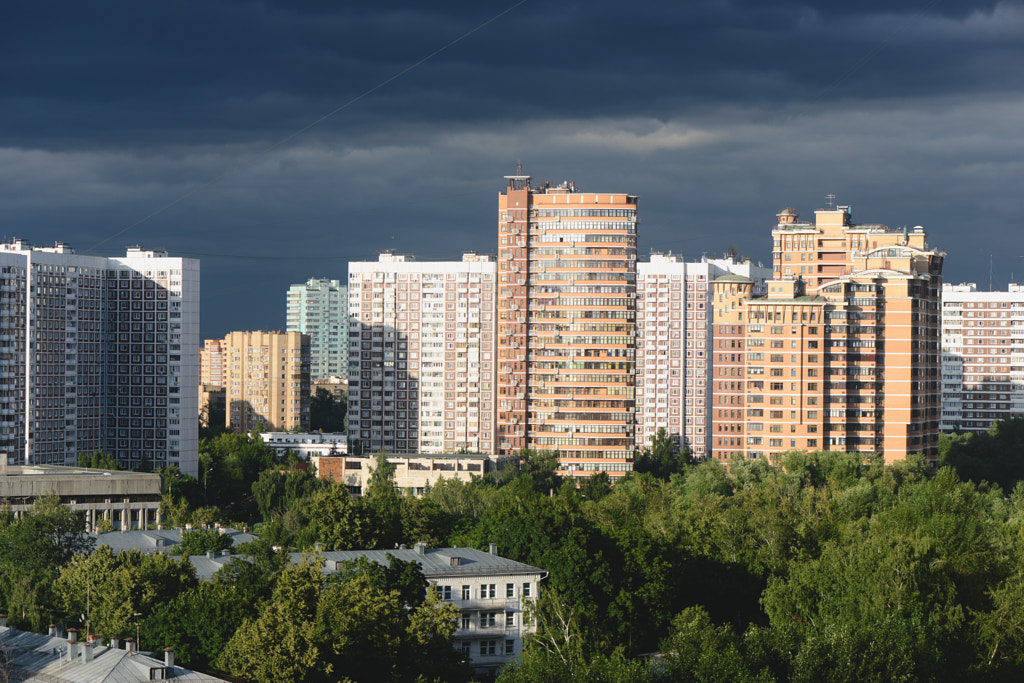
(824, 566)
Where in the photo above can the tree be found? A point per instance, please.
(98, 461)
(661, 459)
(326, 413)
(200, 541)
(112, 588)
(333, 519)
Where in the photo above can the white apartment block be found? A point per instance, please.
(319, 308)
(982, 356)
(493, 595)
(422, 354)
(112, 359)
(673, 359)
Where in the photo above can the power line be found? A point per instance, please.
(302, 130)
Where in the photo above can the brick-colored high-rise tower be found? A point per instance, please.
(567, 324)
(842, 353)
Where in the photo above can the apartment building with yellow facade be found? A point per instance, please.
(567, 325)
(266, 380)
(841, 353)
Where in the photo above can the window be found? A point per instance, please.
(465, 649)
(488, 647)
(510, 590)
(465, 620)
(445, 592)
(510, 619)
(526, 590)
(488, 619)
(465, 593)
(488, 591)
(510, 647)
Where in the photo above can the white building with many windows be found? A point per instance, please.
(674, 338)
(493, 595)
(422, 354)
(982, 356)
(99, 353)
(319, 308)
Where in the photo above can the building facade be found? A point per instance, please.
(982, 356)
(421, 354)
(492, 593)
(674, 340)
(841, 354)
(99, 354)
(267, 381)
(567, 325)
(319, 308)
(211, 363)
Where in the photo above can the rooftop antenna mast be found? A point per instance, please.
(990, 272)
(831, 199)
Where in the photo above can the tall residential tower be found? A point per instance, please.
(319, 308)
(567, 325)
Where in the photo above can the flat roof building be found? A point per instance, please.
(982, 356)
(567, 325)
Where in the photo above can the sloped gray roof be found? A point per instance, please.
(40, 658)
(150, 540)
(435, 562)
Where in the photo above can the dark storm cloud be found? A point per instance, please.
(717, 114)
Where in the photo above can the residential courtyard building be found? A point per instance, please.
(842, 351)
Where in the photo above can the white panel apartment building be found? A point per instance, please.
(113, 358)
(319, 308)
(674, 333)
(422, 354)
(982, 356)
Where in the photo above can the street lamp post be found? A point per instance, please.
(138, 643)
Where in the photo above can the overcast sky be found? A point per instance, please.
(717, 114)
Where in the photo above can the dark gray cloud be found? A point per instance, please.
(716, 113)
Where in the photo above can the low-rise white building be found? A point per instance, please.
(493, 595)
(307, 444)
(415, 472)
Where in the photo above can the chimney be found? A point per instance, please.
(421, 548)
(114, 643)
(129, 645)
(87, 650)
(169, 657)
(72, 651)
(3, 620)
(209, 554)
(53, 630)
(72, 635)
(492, 549)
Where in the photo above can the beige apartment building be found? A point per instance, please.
(675, 335)
(422, 354)
(211, 363)
(982, 356)
(267, 380)
(841, 353)
(567, 325)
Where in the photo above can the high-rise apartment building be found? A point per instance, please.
(422, 354)
(319, 308)
(842, 353)
(674, 341)
(211, 363)
(99, 353)
(567, 325)
(982, 356)
(267, 380)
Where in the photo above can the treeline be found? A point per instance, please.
(825, 567)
